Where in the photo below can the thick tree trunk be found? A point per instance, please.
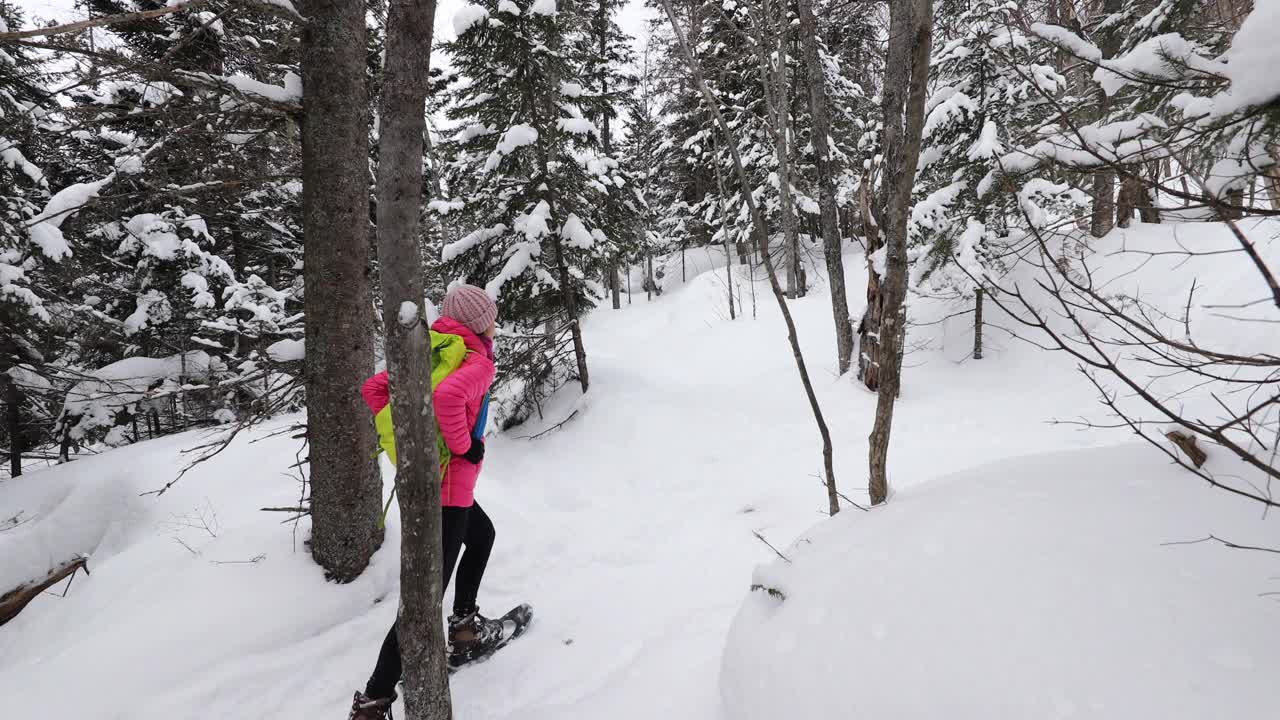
(400, 150)
(831, 241)
(762, 242)
(910, 26)
(346, 493)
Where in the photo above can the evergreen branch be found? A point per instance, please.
(104, 21)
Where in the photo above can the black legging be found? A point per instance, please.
(469, 527)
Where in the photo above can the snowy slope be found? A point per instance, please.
(630, 529)
(1034, 587)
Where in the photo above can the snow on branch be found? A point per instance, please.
(286, 99)
(174, 6)
(282, 7)
(46, 228)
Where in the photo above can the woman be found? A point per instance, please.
(461, 404)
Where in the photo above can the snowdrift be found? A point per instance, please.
(1036, 587)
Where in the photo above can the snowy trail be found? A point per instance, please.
(630, 530)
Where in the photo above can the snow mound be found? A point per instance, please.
(95, 402)
(1036, 587)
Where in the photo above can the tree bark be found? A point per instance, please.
(14, 601)
(724, 230)
(1104, 180)
(869, 327)
(762, 242)
(831, 241)
(346, 493)
(400, 150)
(13, 421)
(910, 36)
(771, 35)
(977, 323)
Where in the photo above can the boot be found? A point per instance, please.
(471, 635)
(364, 707)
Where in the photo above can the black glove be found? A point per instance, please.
(475, 453)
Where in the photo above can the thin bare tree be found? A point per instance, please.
(902, 104)
(826, 170)
(762, 242)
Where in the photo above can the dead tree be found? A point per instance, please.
(762, 242)
(346, 493)
(16, 600)
(400, 149)
(902, 104)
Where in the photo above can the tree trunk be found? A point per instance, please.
(910, 26)
(977, 323)
(762, 242)
(1273, 178)
(606, 136)
(724, 230)
(831, 241)
(346, 493)
(615, 284)
(400, 182)
(1104, 179)
(774, 76)
(13, 422)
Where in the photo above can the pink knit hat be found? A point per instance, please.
(472, 307)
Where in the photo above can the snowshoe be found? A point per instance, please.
(474, 638)
(364, 707)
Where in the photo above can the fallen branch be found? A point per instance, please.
(14, 601)
(555, 427)
(770, 546)
(1227, 543)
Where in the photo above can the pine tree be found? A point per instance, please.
(992, 86)
(527, 182)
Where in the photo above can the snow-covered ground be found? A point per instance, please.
(631, 531)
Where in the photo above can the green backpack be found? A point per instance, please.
(447, 354)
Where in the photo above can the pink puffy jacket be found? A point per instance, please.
(457, 401)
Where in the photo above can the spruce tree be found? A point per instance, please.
(526, 182)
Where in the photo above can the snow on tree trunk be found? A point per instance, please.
(400, 151)
(906, 82)
(346, 493)
(869, 327)
(831, 241)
